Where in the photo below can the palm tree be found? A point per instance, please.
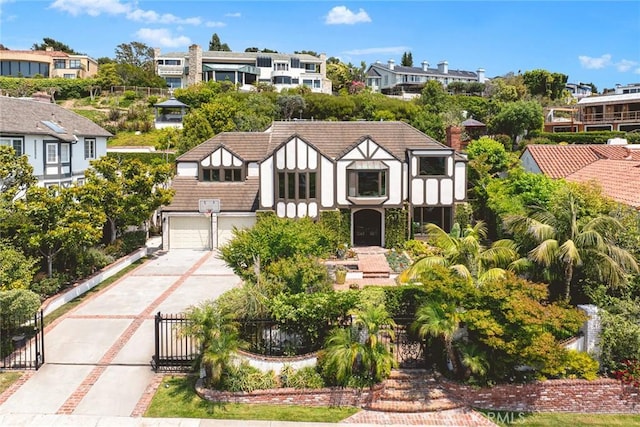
(441, 321)
(362, 349)
(463, 252)
(566, 241)
(218, 338)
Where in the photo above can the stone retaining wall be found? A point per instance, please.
(599, 396)
(293, 396)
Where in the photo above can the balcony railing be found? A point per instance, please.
(170, 70)
(623, 116)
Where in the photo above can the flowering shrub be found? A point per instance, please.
(629, 373)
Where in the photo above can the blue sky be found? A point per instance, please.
(590, 41)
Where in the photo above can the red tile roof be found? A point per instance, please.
(619, 179)
(558, 161)
(616, 168)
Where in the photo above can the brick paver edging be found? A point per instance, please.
(76, 397)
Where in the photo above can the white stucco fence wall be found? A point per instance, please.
(275, 364)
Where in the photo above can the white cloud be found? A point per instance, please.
(92, 7)
(342, 15)
(374, 50)
(162, 38)
(233, 15)
(595, 63)
(118, 7)
(625, 65)
(215, 24)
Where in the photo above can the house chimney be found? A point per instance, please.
(392, 64)
(443, 67)
(454, 139)
(195, 65)
(425, 66)
(48, 49)
(481, 77)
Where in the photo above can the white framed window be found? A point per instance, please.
(52, 153)
(16, 143)
(89, 148)
(65, 153)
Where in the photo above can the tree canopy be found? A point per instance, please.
(55, 45)
(216, 45)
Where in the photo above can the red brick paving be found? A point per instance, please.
(15, 386)
(76, 397)
(147, 396)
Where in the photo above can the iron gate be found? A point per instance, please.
(174, 350)
(408, 349)
(22, 342)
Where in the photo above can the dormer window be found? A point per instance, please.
(222, 174)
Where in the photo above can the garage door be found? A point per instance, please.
(226, 224)
(189, 232)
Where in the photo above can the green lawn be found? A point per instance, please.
(176, 398)
(554, 419)
(8, 378)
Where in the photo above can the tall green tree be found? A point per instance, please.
(16, 269)
(517, 118)
(135, 53)
(407, 59)
(433, 97)
(216, 45)
(567, 242)
(128, 190)
(60, 218)
(544, 83)
(16, 173)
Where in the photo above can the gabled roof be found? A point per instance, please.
(558, 161)
(608, 99)
(234, 196)
(29, 117)
(250, 146)
(616, 168)
(619, 179)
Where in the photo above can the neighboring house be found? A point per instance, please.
(46, 63)
(59, 143)
(578, 90)
(284, 71)
(617, 112)
(301, 168)
(392, 79)
(616, 168)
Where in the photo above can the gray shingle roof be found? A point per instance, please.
(25, 117)
(399, 69)
(250, 146)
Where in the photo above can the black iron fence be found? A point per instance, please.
(174, 349)
(22, 341)
(178, 351)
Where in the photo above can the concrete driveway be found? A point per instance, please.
(98, 355)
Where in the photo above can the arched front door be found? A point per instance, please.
(367, 228)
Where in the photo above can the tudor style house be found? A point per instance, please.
(246, 69)
(59, 143)
(301, 168)
(392, 79)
